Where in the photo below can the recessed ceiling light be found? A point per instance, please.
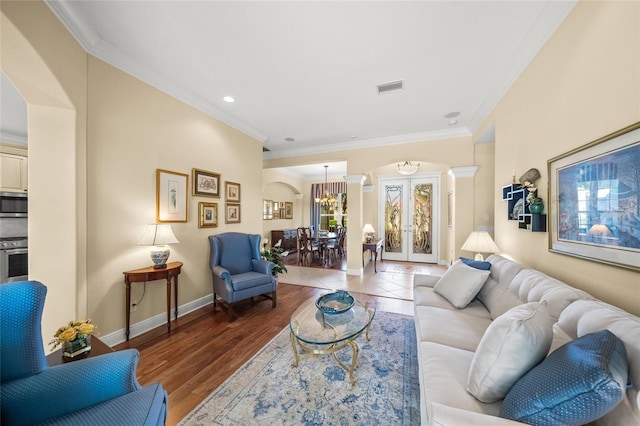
(289, 139)
(451, 114)
(229, 99)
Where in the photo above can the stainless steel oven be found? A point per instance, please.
(13, 259)
(13, 204)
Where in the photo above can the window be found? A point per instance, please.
(335, 213)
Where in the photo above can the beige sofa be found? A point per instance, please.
(448, 338)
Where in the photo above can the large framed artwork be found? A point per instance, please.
(171, 196)
(206, 184)
(595, 200)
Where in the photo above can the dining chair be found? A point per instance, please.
(304, 246)
(335, 247)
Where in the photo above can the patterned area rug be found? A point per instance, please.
(268, 390)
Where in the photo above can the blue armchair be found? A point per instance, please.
(101, 390)
(238, 270)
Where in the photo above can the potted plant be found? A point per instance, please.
(276, 255)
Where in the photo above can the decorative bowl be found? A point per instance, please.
(335, 303)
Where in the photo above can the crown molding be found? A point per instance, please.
(15, 139)
(370, 143)
(463, 172)
(355, 179)
(541, 30)
(86, 36)
(93, 44)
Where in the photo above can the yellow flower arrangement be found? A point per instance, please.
(72, 331)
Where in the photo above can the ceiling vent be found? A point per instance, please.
(392, 86)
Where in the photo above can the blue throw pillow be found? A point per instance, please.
(484, 266)
(576, 384)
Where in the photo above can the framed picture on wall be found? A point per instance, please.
(232, 213)
(171, 196)
(232, 191)
(208, 215)
(288, 210)
(594, 199)
(267, 209)
(206, 184)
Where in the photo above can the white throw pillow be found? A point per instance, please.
(460, 283)
(514, 343)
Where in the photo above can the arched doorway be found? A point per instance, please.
(55, 89)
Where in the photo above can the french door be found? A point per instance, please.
(409, 216)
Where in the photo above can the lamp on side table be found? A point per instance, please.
(480, 242)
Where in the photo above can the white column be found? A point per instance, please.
(354, 223)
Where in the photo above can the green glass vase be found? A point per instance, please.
(536, 207)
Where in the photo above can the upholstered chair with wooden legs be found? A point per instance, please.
(238, 270)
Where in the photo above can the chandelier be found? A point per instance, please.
(407, 168)
(327, 201)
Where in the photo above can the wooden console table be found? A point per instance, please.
(150, 274)
(373, 247)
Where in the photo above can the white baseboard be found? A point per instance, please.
(137, 329)
(355, 271)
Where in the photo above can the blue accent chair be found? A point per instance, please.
(101, 390)
(238, 270)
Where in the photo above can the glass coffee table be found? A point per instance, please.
(318, 332)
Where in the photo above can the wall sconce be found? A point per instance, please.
(158, 236)
(480, 242)
(369, 231)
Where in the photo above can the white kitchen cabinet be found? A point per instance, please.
(13, 173)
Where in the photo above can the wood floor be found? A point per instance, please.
(204, 349)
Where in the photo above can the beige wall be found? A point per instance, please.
(483, 203)
(284, 188)
(92, 176)
(584, 84)
(135, 129)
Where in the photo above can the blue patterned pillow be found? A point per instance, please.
(483, 266)
(579, 382)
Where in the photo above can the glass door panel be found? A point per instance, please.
(394, 230)
(423, 235)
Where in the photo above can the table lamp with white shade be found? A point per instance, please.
(480, 242)
(158, 236)
(369, 232)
